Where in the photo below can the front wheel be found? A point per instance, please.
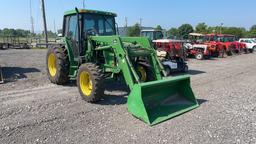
(252, 50)
(185, 69)
(199, 56)
(90, 82)
(145, 72)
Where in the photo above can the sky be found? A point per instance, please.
(167, 13)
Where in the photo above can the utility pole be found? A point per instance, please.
(83, 4)
(31, 18)
(126, 22)
(44, 22)
(140, 23)
(54, 27)
(221, 24)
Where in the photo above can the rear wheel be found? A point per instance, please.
(57, 65)
(90, 82)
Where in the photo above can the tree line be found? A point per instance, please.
(183, 31)
(23, 33)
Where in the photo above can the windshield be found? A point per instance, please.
(211, 38)
(159, 35)
(226, 38)
(254, 41)
(147, 34)
(101, 25)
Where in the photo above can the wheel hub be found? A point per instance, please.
(52, 65)
(86, 83)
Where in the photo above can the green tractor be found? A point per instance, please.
(90, 52)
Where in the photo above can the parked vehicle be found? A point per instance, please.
(170, 52)
(231, 46)
(172, 55)
(91, 52)
(202, 48)
(152, 34)
(250, 44)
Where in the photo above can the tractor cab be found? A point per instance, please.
(91, 23)
(196, 38)
(152, 34)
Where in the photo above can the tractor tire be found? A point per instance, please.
(167, 70)
(222, 53)
(90, 82)
(252, 50)
(145, 72)
(185, 69)
(199, 56)
(229, 53)
(57, 65)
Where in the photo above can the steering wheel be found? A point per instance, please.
(92, 31)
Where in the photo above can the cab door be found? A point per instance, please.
(71, 33)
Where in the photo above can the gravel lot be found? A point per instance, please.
(32, 110)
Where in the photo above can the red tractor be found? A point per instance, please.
(170, 52)
(230, 45)
(172, 55)
(202, 48)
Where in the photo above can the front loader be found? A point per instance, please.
(90, 52)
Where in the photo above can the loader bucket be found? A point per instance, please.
(157, 101)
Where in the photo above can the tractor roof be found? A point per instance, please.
(71, 12)
(150, 30)
(196, 34)
(221, 35)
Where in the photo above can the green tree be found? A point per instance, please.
(173, 33)
(252, 32)
(14, 32)
(202, 28)
(184, 30)
(134, 30)
(158, 27)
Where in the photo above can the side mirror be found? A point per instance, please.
(117, 29)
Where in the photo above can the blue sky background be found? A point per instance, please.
(167, 13)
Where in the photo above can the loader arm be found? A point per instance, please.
(153, 101)
(114, 43)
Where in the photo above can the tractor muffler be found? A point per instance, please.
(157, 101)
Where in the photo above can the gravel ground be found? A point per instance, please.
(32, 110)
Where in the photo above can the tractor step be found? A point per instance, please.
(1, 76)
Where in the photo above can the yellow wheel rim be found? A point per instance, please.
(85, 83)
(142, 74)
(52, 65)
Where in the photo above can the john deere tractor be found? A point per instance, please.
(90, 51)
